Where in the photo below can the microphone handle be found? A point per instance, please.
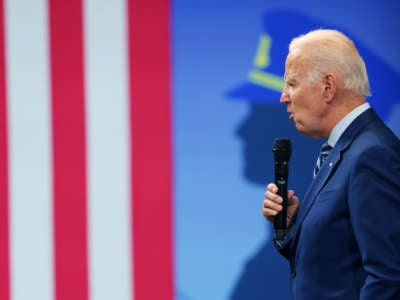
(281, 176)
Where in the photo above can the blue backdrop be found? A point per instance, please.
(228, 60)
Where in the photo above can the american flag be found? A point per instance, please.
(85, 150)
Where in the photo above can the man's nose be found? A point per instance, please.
(284, 97)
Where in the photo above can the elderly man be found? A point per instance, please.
(343, 240)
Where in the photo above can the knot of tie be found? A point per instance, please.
(325, 149)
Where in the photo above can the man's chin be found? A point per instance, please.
(309, 133)
(300, 128)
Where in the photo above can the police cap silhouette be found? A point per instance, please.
(264, 82)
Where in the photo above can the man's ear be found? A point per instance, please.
(329, 85)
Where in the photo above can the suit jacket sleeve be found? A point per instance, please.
(374, 204)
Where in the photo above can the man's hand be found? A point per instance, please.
(272, 204)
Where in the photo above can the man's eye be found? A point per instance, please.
(290, 84)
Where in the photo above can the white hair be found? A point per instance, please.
(332, 51)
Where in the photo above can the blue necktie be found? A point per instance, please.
(325, 149)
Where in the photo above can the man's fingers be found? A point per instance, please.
(273, 197)
(272, 205)
(267, 212)
(272, 188)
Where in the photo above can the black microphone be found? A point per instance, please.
(282, 149)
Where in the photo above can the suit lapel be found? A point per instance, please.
(319, 182)
(329, 167)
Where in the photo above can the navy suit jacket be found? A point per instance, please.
(345, 243)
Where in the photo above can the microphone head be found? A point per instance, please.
(282, 149)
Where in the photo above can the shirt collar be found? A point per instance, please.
(341, 126)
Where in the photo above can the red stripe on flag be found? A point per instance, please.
(149, 65)
(69, 149)
(4, 195)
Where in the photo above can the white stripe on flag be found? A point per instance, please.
(108, 150)
(30, 155)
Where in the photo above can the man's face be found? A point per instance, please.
(303, 98)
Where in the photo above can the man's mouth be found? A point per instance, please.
(291, 116)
